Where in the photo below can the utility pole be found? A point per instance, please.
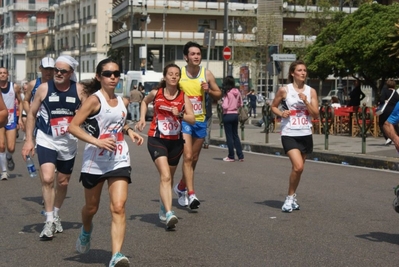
(225, 26)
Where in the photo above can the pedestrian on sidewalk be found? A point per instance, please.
(252, 102)
(134, 106)
(388, 94)
(300, 104)
(165, 139)
(106, 155)
(232, 100)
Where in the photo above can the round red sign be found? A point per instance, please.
(227, 53)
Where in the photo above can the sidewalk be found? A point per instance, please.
(341, 149)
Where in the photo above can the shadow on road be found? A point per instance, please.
(93, 256)
(381, 237)
(272, 203)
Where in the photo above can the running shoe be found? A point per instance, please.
(194, 202)
(119, 260)
(10, 162)
(241, 160)
(182, 196)
(295, 205)
(162, 212)
(48, 231)
(171, 220)
(228, 159)
(396, 200)
(57, 224)
(83, 241)
(287, 207)
(4, 176)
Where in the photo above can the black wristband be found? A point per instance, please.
(127, 130)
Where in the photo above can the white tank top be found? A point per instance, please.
(299, 123)
(109, 119)
(9, 101)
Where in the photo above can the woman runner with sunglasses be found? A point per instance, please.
(165, 139)
(106, 155)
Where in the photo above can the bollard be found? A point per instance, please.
(219, 110)
(267, 119)
(326, 114)
(364, 121)
(242, 124)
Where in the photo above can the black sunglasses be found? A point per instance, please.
(63, 71)
(108, 73)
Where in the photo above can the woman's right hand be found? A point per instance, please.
(140, 125)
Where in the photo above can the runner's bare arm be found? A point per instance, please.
(214, 89)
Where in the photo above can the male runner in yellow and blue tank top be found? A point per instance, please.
(195, 82)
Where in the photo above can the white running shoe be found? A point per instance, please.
(287, 207)
(4, 176)
(295, 205)
(57, 224)
(48, 231)
(182, 196)
(194, 202)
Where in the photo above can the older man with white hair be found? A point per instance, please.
(59, 99)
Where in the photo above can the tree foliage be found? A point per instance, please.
(356, 45)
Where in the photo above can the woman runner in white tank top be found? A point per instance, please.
(300, 104)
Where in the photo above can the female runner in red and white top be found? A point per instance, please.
(165, 140)
(300, 104)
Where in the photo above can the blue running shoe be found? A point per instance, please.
(171, 220)
(83, 241)
(119, 260)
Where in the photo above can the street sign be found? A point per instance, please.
(227, 53)
(284, 57)
(209, 38)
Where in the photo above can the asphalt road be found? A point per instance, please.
(346, 217)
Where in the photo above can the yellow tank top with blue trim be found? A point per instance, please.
(192, 88)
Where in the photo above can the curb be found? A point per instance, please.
(360, 160)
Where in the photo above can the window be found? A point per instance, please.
(94, 65)
(206, 24)
(83, 66)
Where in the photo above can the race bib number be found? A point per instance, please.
(197, 104)
(299, 119)
(117, 155)
(168, 125)
(10, 116)
(59, 126)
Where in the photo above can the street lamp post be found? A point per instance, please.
(34, 19)
(163, 35)
(147, 21)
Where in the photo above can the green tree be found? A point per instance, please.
(394, 42)
(356, 44)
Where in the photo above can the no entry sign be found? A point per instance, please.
(227, 53)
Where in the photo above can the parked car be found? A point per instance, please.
(327, 98)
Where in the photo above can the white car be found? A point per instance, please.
(327, 98)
